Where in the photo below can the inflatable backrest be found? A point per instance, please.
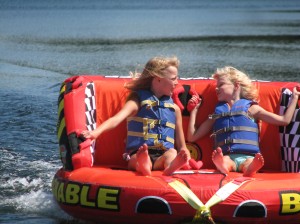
(95, 99)
(111, 96)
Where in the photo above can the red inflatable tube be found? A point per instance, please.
(84, 158)
(178, 90)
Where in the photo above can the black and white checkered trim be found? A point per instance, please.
(90, 110)
(90, 106)
(289, 136)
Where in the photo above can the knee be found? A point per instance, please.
(172, 151)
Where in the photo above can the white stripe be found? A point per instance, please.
(87, 103)
(281, 110)
(296, 154)
(285, 150)
(295, 128)
(286, 136)
(295, 141)
(94, 102)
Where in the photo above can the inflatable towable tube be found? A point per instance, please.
(95, 185)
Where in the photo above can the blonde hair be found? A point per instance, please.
(248, 90)
(154, 68)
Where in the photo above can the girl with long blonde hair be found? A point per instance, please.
(235, 122)
(154, 122)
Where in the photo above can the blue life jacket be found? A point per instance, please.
(154, 124)
(234, 131)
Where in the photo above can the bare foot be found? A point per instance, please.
(218, 159)
(253, 167)
(143, 165)
(180, 160)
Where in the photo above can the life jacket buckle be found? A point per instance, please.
(228, 141)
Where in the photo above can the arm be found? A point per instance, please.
(131, 107)
(179, 135)
(194, 134)
(275, 119)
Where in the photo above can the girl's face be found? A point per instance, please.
(170, 80)
(225, 89)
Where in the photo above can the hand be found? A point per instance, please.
(88, 134)
(194, 102)
(296, 91)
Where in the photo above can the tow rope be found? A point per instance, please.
(203, 214)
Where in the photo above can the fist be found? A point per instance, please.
(193, 102)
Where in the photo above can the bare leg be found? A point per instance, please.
(219, 161)
(180, 160)
(143, 162)
(257, 163)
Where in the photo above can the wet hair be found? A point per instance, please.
(154, 68)
(248, 89)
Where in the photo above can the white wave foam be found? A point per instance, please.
(37, 202)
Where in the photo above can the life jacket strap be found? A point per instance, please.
(158, 147)
(237, 141)
(152, 122)
(227, 114)
(235, 128)
(156, 137)
(152, 103)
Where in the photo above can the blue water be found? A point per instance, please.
(44, 42)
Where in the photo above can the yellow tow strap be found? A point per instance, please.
(187, 194)
(203, 211)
